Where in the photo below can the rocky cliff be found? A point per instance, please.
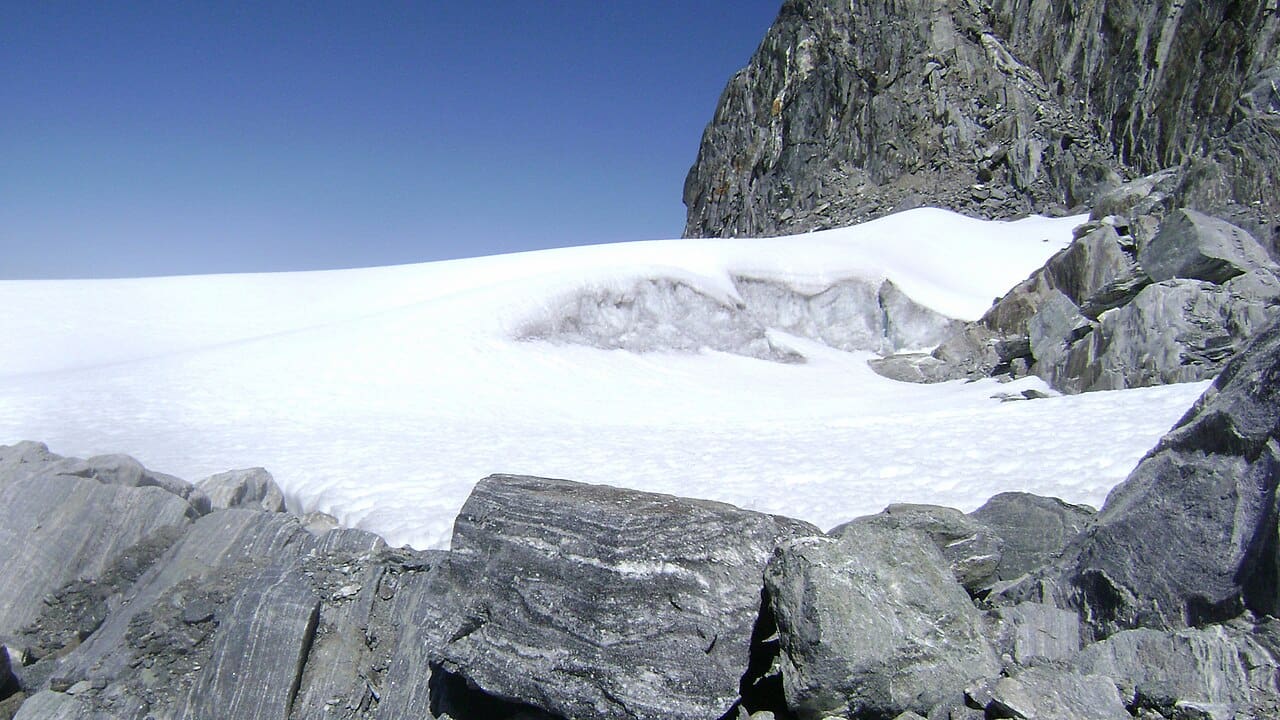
(850, 110)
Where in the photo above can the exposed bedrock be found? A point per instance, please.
(847, 111)
(671, 315)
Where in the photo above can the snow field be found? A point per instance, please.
(382, 395)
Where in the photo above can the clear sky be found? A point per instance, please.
(151, 138)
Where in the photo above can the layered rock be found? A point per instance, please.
(852, 110)
(587, 601)
(848, 111)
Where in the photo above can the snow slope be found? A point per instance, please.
(381, 395)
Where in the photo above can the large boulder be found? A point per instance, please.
(1035, 529)
(1190, 537)
(251, 488)
(591, 601)
(263, 639)
(873, 623)
(1193, 245)
(972, 549)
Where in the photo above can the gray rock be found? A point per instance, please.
(58, 528)
(216, 557)
(1212, 666)
(251, 488)
(1034, 529)
(1034, 633)
(1195, 246)
(1188, 538)
(21, 460)
(319, 523)
(591, 601)
(258, 652)
(851, 111)
(971, 549)
(1045, 693)
(872, 623)
(427, 614)
(125, 471)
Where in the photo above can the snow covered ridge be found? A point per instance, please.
(381, 395)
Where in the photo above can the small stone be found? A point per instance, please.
(346, 591)
(80, 687)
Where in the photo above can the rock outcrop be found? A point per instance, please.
(848, 111)
(1190, 537)
(1144, 299)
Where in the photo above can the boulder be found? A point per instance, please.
(124, 471)
(21, 460)
(1045, 693)
(251, 488)
(1158, 670)
(972, 549)
(1190, 537)
(872, 623)
(1196, 246)
(592, 601)
(1034, 529)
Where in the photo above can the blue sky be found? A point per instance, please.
(152, 138)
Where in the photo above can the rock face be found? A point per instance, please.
(1190, 537)
(872, 624)
(970, 548)
(597, 602)
(852, 110)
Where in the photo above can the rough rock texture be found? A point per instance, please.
(1218, 665)
(971, 549)
(1190, 537)
(872, 624)
(851, 110)
(1095, 318)
(670, 315)
(1034, 633)
(57, 526)
(589, 601)
(1051, 694)
(253, 487)
(1196, 246)
(1034, 529)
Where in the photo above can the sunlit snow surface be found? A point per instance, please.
(382, 395)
